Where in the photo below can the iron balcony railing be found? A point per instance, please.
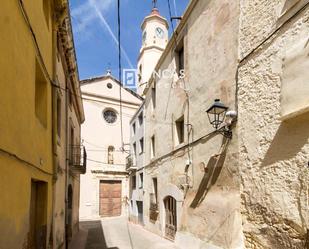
(153, 208)
(130, 163)
(153, 205)
(78, 158)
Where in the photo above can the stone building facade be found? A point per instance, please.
(108, 111)
(135, 162)
(214, 191)
(154, 39)
(273, 125)
(69, 156)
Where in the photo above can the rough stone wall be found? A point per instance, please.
(273, 154)
(210, 39)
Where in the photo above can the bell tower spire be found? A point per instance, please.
(154, 40)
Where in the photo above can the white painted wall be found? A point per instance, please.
(151, 48)
(137, 194)
(98, 135)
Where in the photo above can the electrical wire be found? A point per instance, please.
(42, 63)
(37, 48)
(119, 71)
(39, 54)
(101, 162)
(25, 161)
(171, 20)
(175, 40)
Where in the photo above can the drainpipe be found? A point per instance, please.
(54, 142)
(66, 165)
(66, 162)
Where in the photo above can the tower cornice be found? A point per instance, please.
(147, 48)
(154, 17)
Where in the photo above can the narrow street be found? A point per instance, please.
(116, 233)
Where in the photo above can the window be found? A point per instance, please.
(141, 145)
(134, 149)
(110, 116)
(134, 128)
(155, 189)
(153, 97)
(70, 97)
(141, 180)
(140, 119)
(132, 205)
(153, 147)
(110, 155)
(109, 85)
(70, 197)
(71, 145)
(46, 10)
(140, 74)
(58, 46)
(59, 116)
(133, 182)
(40, 95)
(180, 130)
(180, 58)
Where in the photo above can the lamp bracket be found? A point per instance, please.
(226, 132)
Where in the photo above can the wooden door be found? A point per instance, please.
(170, 217)
(38, 215)
(110, 198)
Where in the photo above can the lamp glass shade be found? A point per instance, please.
(216, 113)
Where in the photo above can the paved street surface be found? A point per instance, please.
(116, 233)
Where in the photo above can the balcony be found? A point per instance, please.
(130, 163)
(78, 159)
(153, 208)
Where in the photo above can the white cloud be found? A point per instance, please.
(108, 28)
(85, 14)
(85, 8)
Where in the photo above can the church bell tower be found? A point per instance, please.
(154, 40)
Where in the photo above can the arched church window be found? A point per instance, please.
(110, 156)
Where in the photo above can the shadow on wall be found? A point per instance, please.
(290, 138)
(212, 172)
(95, 237)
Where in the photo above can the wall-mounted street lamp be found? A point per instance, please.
(217, 114)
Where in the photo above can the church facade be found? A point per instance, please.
(105, 134)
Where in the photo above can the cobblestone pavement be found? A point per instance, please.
(116, 233)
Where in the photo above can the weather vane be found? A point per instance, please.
(154, 3)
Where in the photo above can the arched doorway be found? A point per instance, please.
(170, 217)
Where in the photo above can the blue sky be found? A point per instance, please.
(95, 30)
